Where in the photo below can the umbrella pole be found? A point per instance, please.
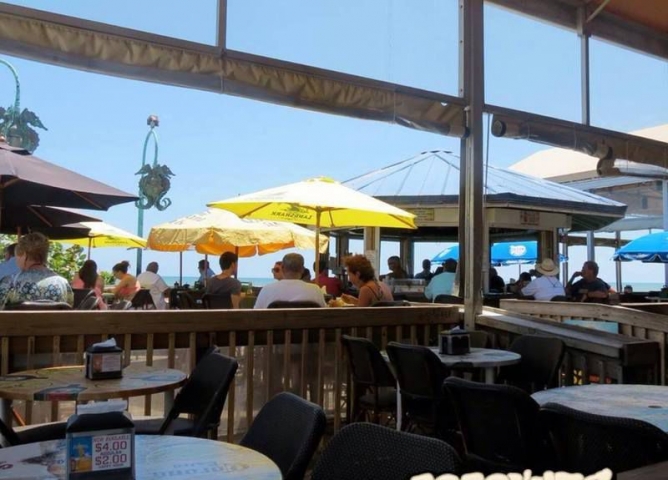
(180, 268)
(206, 269)
(317, 245)
(90, 240)
(236, 252)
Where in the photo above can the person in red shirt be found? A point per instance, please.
(332, 284)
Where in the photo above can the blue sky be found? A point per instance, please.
(221, 146)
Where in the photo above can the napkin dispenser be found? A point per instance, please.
(454, 342)
(104, 361)
(100, 446)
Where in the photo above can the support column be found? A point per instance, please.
(618, 263)
(372, 247)
(664, 199)
(407, 253)
(471, 220)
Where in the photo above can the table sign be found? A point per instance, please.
(454, 342)
(104, 360)
(100, 446)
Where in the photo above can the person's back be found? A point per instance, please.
(155, 284)
(443, 283)
(291, 288)
(35, 281)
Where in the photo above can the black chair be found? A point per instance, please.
(374, 383)
(500, 427)
(80, 294)
(398, 303)
(371, 452)
(587, 443)
(288, 430)
(121, 305)
(212, 301)
(450, 299)
(182, 300)
(420, 374)
(294, 304)
(142, 300)
(540, 364)
(203, 397)
(38, 305)
(90, 302)
(38, 433)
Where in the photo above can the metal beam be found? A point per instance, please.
(221, 26)
(606, 26)
(472, 84)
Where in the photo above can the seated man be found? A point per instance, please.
(590, 288)
(226, 283)
(154, 283)
(425, 274)
(291, 288)
(397, 272)
(546, 286)
(205, 271)
(331, 284)
(442, 283)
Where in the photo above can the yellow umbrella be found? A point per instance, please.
(104, 235)
(322, 202)
(216, 231)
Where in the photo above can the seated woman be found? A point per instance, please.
(35, 281)
(362, 275)
(87, 277)
(128, 285)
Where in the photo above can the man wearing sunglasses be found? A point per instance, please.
(277, 271)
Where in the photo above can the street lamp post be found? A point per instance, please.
(152, 122)
(12, 112)
(153, 184)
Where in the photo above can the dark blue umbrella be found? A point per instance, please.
(652, 248)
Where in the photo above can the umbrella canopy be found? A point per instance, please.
(104, 235)
(216, 231)
(503, 253)
(28, 180)
(652, 248)
(321, 202)
(28, 218)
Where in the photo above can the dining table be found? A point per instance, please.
(70, 384)
(648, 403)
(156, 457)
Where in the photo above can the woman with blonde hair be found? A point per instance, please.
(127, 284)
(362, 275)
(35, 281)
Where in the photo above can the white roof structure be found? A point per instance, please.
(432, 178)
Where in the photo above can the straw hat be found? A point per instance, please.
(547, 267)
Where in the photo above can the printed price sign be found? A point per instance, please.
(101, 452)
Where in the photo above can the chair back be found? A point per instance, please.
(587, 443)
(211, 301)
(512, 435)
(121, 305)
(80, 294)
(451, 299)
(371, 452)
(204, 393)
(90, 302)
(294, 304)
(182, 300)
(540, 364)
(38, 305)
(10, 435)
(419, 371)
(367, 365)
(142, 300)
(288, 430)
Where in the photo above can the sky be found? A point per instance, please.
(220, 146)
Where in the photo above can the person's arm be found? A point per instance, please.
(99, 283)
(530, 289)
(569, 286)
(235, 295)
(349, 299)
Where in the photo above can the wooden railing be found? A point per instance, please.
(298, 350)
(632, 322)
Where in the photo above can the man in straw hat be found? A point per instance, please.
(546, 286)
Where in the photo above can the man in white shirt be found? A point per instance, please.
(291, 288)
(547, 285)
(155, 285)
